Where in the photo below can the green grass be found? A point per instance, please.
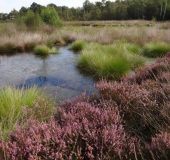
(53, 50)
(110, 61)
(44, 50)
(155, 49)
(77, 45)
(41, 50)
(15, 104)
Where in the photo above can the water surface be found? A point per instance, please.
(56, 73)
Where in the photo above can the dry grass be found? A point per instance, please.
(111, 23)
(105, 32)
(107, 35)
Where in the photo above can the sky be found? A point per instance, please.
(8, 5)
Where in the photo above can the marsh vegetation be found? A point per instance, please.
(129, 117)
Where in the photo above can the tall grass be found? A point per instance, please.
(133, 31)
(110, 61)
(107, 35)
(14, 102)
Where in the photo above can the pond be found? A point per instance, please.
(57, 74)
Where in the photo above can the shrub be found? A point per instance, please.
(135, 104)
(32, 21)
(50, 16)
(125, 120)
(79, 131)
(77, 46)
(155, 49)
(161, 145)
(151, 72)
(19, 21)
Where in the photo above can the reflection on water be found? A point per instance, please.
(56, 73)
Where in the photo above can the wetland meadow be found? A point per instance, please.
(85, 90)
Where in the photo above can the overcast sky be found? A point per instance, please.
(8, 5)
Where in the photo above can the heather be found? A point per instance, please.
(71, 135)
(110, 61)
(126, 120)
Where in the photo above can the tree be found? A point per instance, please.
(23, 11)
(36, 8)
(50, 16)
(32, 20)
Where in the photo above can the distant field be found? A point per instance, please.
(111, 23)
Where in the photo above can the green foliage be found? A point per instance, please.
(13, 103)
(44, 50)
(105, 10)
(50, 16)
(32, 20)
(134, 48)
(77, 46)
(19, 21)
(53, 50)
(41, 49)
(109, 61)
(155, 49)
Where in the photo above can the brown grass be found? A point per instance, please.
(105, 32)
(108, 35)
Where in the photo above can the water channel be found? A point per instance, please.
(57, 74)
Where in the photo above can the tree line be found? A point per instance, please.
(104, 10)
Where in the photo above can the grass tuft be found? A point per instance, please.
(41, 49)
(77, 45)
(44, 50)
(14, 102)
(53, 50)
(155, 49)
(110, 61)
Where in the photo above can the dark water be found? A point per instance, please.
(57, 73)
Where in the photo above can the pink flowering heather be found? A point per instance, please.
(78, 131)
(134, 103)
(160, 145)
(129, 119)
